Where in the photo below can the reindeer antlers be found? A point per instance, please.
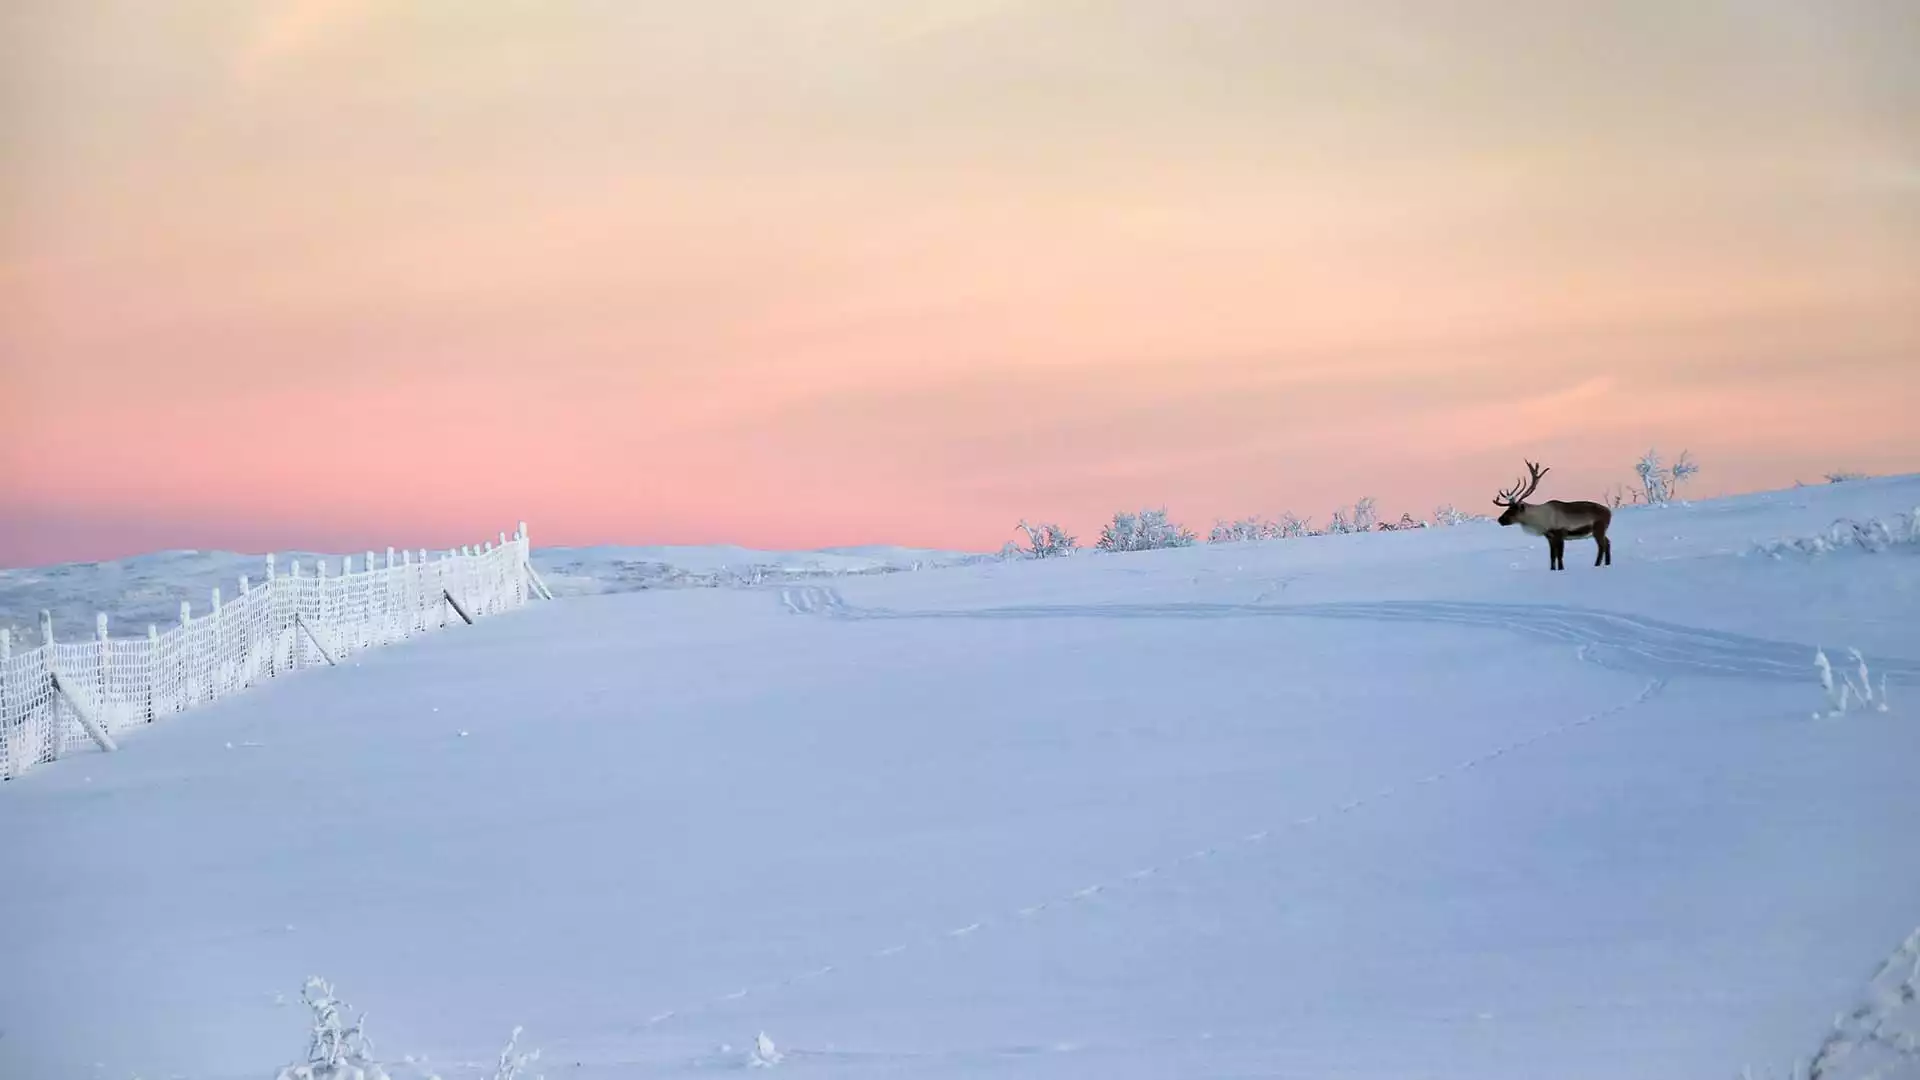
(1515, 494)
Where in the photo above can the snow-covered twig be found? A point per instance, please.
(1848, 692)
(512, 1064)
(336, 1050)
(764, 1054)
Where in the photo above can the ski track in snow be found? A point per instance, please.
(1629, 643)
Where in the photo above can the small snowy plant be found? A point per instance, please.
(1361, 518)
(336, 1049)
(1146, 531)
(1873, 536)
(1251, 528)
(513, 1066)
(1045, 541)
(1849, 694)
(1660, 483)
(764, 1054)
(1364, 518)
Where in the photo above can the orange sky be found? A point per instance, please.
(790, 273)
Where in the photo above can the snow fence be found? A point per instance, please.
(62, 695)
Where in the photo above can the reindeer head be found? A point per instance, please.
(1515, 497)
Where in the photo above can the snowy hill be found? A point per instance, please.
(1375, 806)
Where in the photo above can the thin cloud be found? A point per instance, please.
(292, 27)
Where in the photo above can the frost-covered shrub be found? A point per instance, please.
(336, 1049)
(512, 1065)
(1144, 531)
(1873, 536)
(1252, 528)
(1044, 541)
(1850, 694)
(1447, 515)
(1291, 525)
(1364, 517)
(764, 1054)
(1659, 484)
(1360, 519)
(1407, 521)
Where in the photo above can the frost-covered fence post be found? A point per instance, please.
(53, 735)
(103, 666)
(70, 691)
(486, 605)
(371, 633)
(217, 651)
(273, 615)
(343, 607)
(391, 624)
(180, 657)
(301, 634)
(153, 673)
(322, 585)
(295, 650)
(409, 595)
(252, 649)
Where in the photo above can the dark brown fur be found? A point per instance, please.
(1557, 520)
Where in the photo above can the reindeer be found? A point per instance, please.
(1556, 520)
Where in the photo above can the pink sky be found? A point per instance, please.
(791, 273)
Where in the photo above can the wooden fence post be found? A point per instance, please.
(294, 648)
(179, 662)
(153, 672)
(104, 665)
(54, 736)
(342, 639)
(75, 698)
(376, 604)
(406, 594)
(214, 678)
(248, 646)
(321, 587)
(273, 616)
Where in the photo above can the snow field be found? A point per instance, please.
(1377, 806)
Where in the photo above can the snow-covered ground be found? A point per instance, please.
(1383, 806)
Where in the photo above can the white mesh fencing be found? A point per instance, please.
(296, 618)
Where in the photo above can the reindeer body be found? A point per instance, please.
(1557, 520)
